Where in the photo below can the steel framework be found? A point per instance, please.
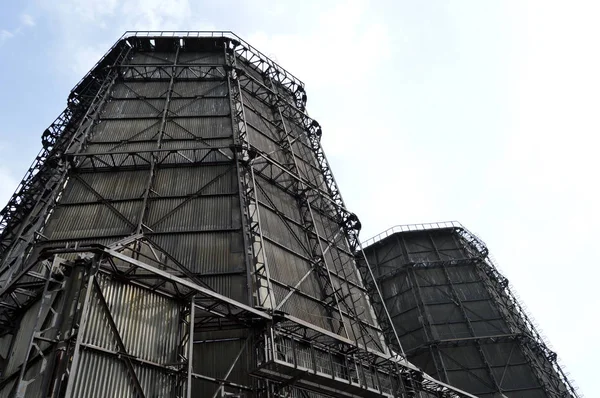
(181, 234)
(457, 318)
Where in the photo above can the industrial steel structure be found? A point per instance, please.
(456, 317)
(181, 234)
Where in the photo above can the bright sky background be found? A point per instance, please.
(486, 112)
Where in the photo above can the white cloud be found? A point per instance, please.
(27, 20)
(5, 35)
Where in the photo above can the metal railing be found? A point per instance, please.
(411, 227)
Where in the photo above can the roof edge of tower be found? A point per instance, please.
(262, 60)
(408, 228)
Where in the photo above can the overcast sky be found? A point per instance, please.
(485, 112)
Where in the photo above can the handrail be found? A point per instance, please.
(411, 227)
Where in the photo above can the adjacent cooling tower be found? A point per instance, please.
(456, 317)
(180, 234)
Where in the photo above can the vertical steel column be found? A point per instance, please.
(161, 132)
(264, 295)
(81, 330)
(190, 359)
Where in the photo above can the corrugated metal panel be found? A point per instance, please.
(127, 108)
(233, 286)
(200, 88)
(286, 233)
(201, 58)
(200, 107)
(203, 213)
(90, 220)
(152, 58)
(255, 121)
(289, 269)
(110, 185)
(100, 376)
(306, 309)
(140, 89)
(257, 106)
(266, 145)
(205, 127)
(21, 340)
(205, 252)
(284, 202)
(122, 130)
(148, 323)
(183, 181)
(343, 264)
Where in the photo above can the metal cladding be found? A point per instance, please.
(181, 235)
(456, 317)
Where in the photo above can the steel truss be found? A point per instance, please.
(64, 285)
(523, 334)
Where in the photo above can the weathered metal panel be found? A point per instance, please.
(233, 285)
(200, 89)
(199, 58)
(146, 321)
(273, 196)
(127, 108)
(200, 107)
(153, 57)
(199, 127)
(208, 252)
(288, 234)
(91, 220)
(149, 326)
(125, 130)
(102, 375)
(203, 213)
(184, 181)
(93, 187)
(140, 90)
(21, 340)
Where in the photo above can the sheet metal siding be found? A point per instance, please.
(126, 109)
(139, 89)
(125, 130)
(93, 220)
(200, 107)
(200, 89)
(183, 181)
(201, 58)
(199, 127)
(109, 185)
(154, 57)
(204, 213)
(147, 322)
(209, 252)
(20, 342)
